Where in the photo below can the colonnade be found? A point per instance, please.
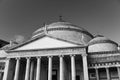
(61, 68)
(107, 73)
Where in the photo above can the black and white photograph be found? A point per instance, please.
(59, 39)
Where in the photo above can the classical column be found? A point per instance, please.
(61, 68)
(107, 73)
(85, 67)
(27, 69)
(17, 69)
(97, 74)
(73, 71)
(50, 68)
(38, 68)
(7, 63)
(32, 70)
(118, 70)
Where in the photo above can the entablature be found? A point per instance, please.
(46, 52)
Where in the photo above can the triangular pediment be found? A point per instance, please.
(45, 43)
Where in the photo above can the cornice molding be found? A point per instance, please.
(103, 52)
(102, 41)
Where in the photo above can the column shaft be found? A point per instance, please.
(107, 73)
(7, 63)
(17, 69)
(97, 73)
(32, 70)
(61, 68)
(85, 67)
(27, 69)
(73, 71)
(118, 70)
(38, 68)
(50, 68)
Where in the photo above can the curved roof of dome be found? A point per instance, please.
(101, 39)
(60, 25)
(62, 30)
(65, 25)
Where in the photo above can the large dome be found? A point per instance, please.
(101, 44)
(65, 31)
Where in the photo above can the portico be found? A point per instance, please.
(63, 67)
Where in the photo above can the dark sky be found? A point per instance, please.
(23, 17)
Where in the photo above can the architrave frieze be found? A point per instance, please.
(46, 52)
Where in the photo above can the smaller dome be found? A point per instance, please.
(101, 44)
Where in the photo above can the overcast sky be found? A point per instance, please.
(23, 17)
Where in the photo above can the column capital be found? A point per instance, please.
(28, 57)
(49, 56)
(72, 55)
(38, 57)
(107, 67)
(17, 58)
(83, 54)
(96, 68)
(8, 58)
(61, 55)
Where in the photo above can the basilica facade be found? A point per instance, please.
(61, 51)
